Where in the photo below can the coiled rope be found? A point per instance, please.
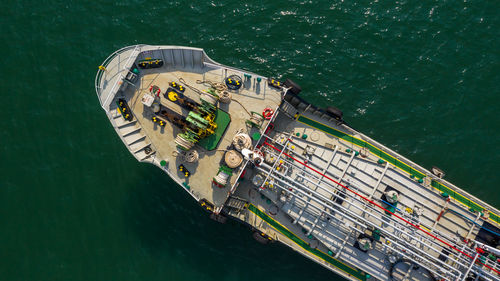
(225, 97)
(216, 85)
(221, 87)
(191, 156)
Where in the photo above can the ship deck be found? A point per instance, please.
(328, 184)
(253, 96)
(322, 187)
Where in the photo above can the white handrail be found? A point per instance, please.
(119, 81)
(100, 72)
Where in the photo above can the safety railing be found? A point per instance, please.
(103, 69)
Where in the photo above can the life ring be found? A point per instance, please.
(267, 113)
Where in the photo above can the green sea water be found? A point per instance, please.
(421, 77)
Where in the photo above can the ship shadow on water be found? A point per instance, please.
(169, 225)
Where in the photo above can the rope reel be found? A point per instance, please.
(233, 159)
(191, 156)
(241, 141)
(256, 119)
(183, 143)
(219, 87)
(437, 172)
(225, 97)
(223, 175)
(221, 179)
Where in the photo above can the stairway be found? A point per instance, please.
(288, 109)
(236, 203)
(133, 136)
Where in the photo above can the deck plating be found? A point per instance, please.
(308, 180)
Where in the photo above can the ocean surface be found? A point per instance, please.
(422, 77)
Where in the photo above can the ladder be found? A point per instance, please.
(236, 203)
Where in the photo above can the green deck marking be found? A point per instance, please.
(383, 155)
(375, 150)
(283, 230)
(222, 119)
(464, 200)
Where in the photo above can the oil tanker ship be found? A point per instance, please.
(249, 148)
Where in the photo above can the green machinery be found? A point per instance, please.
(200, 121)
